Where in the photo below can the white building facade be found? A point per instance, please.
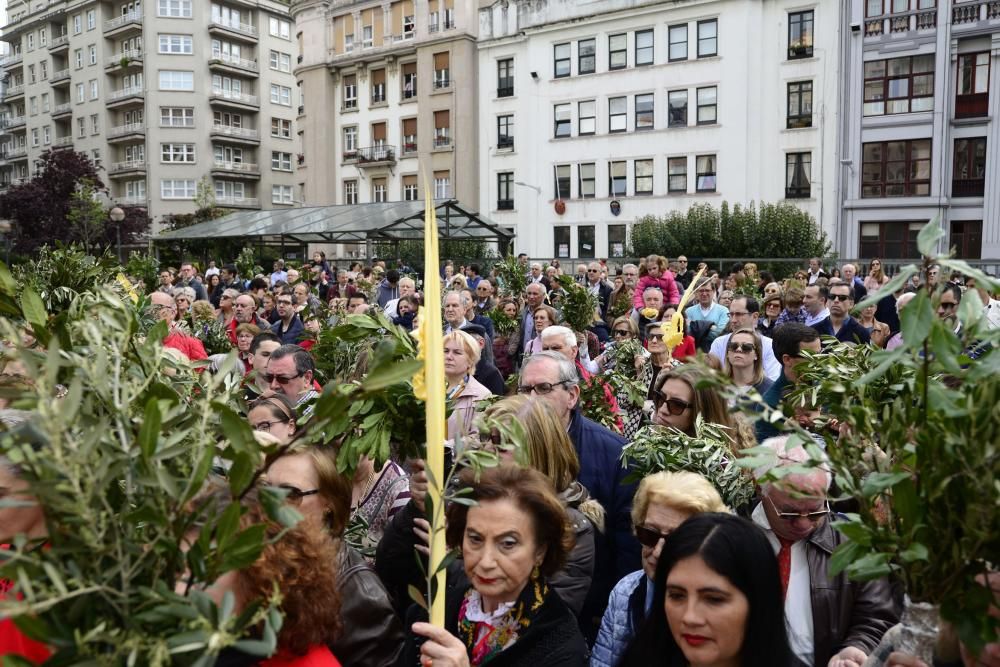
(593, 115)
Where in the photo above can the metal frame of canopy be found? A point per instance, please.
(346, 223)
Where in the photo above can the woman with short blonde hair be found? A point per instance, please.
(461, 354)
(663, 501)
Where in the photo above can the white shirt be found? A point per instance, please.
(816, 319)
(391, 309)
(992, 310)
(772, 369)
(798, 600)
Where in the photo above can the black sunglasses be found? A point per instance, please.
(840, 297)
(282, 380)
(741, 347)
(295, 495)
(622, 333)
(675, 406)
(648, 537)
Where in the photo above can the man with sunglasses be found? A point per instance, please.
(598, 287)
(845, 328)
(832, 622)
(744, 312)
(553, 378)
(290, 372)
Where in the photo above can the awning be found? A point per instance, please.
(346, 223)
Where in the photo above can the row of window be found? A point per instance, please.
(903, 168)
(409, 188)
(402, 21)
(378, 134)
(378, 92)
(704, 101)
(906, 85)
(642, 49)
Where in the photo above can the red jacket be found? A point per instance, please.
(318, 656)
(666, 284)
(13, 641)
(189, 345)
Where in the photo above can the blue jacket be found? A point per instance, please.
(851, 331)
(291, 335)
(773, 397)
(625, 613)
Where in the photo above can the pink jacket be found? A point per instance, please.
(665, 283)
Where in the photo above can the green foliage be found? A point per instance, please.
(204, 198)
(502, 324)
(369, 408)
(708, 453)
(59, 275)
(115, 464)
(595, 405)
(86, 216)
(622, 374)
(412, 251)
(246, 264)
(512, 279)
(144, 267)
(918, 449)
(579, 307)
(213, 336)
(773, 230)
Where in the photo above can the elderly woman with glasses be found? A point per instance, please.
(678, 401)
(183, 298)
(664, 500)
(773, 305)
(226, 313)
(744, 363)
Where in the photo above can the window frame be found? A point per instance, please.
(612, 192)
(505, 74)
(170, 74)
(908, 168)
(187, 113)
(565, 124)
(591, 57)
(280, 124)
(670, 115)
(651, 113)
(172, 40)
(562, 61)
(580, 118)
(714, 38)
(184, 8)
(651, 47)
(505, 186)
(647, 180)
(671, 43)
(714, 106)
(613, 115)
(885, 86)
(177, 153)
(281, 161)
(620, 51)
(671, 175)
(505, 132)
(174, 183)
(794, 161)
(558, 181)
(798, 119)
(699, 175)
(798, 19)
(970, 186)
(585, 183)
(282, 191)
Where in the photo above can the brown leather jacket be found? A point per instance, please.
(371, 634)
(845, 613)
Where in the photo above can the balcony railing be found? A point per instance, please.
(972, 106)
(240, 132)
(15, 153)
(410, 91)
(133, 200)
(235, 61)
(62, 142)
(441, 81)
(60, 75)
(132, 91)
(921, 19)
(972, 12)
(125, 58)
(66, 107)
(123, 20)
(375, 154)
(797, 191)
(505, 143)
(239, 167)
(127, 165)
(122, 130)
(241, 28)
(14, 91)
(14, 121)
(968, 187)
(505, 90)
(11, 60)
(233, 96)
(251, 202)
(441, 140)
(58, 42)
(409, 145)
(505, 204)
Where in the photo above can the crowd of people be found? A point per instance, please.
(562, 558)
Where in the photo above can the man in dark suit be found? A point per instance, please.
(534, 296)
(598, 287)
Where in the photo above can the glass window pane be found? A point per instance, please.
(874, 69)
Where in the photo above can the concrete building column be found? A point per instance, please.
(991, 201)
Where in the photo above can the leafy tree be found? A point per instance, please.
(86, 216)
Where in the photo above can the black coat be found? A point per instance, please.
(553, 638)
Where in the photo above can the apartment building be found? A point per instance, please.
(921, 139)
(596, 114)
(159, 94)
(390, 98)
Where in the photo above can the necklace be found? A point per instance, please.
(369, 482)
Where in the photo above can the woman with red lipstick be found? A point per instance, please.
(499, 607)
(717, 601)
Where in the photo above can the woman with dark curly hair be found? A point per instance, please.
(499, 606)
(301, 563)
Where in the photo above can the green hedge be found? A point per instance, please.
(770, 230)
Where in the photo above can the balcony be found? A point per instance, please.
(13, 91)
(410, 90)
(124, 60)
(125, 96)
(505, 204)
(13, 60)
(243, 31)
(62, 109)
(129, 132)
(236, 169)
(237, 202)
(14, 122)
(128, 167)
(968, 187)
(233, 98)
(505, 143)
(60, 76)
(973, 12)
(442, 139)
(242, 135)
(62, 142)
(372, 156)
(506, 90)
(972, 106)
(132, 200)
(123, 24)
(18, 153)
(441, 81)
(921, 19)
(59, 43)
(409, 145)
(228, 63)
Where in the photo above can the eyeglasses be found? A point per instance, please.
(282, 380)
(622, 333)
(741, 347)
(658, 336)
(675, 406)
(295, 495)
(946, 305)
(648, 537)
(592, 271)
(265, 427)
(541, 388)
(491, 437)
(809, 516)
(840, 297)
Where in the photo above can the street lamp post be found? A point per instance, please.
(117, 215)
(5, 227)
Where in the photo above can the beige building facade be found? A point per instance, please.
(161, 94)
(390, 99)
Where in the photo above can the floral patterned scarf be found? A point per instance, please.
(487, 634)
